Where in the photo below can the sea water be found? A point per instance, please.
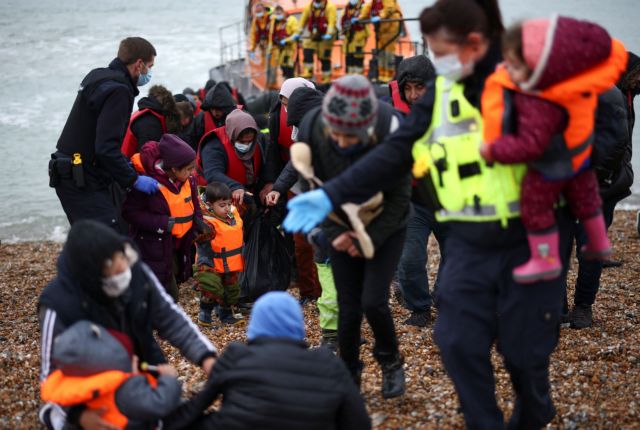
(48, 46)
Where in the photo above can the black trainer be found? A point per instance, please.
(392, 375)
(419, 319)
(581, 317)
(330, 340)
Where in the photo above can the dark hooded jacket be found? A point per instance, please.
(148, 127)
(276, 381)
(414, 69)
(277, 384)
(611, 157)
(97, 124)
(630, 89)
(218, 97)
(302, 100)
(329, 163)
(214, 157)
(144, 308)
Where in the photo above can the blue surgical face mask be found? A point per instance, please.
(242, 147)
(317, 4)
(259, 14)
(144, 78)
(279, 17)
(353, 2)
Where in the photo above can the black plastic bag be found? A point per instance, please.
(267, 261)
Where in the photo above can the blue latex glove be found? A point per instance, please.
(282, 42)
(252, 56)
(375, 19)
(327, 37)
(306, 211)
(354, 20)
(146, 185)
(295, 37)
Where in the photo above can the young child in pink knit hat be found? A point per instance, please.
(539, 109)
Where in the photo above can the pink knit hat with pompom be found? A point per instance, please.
(534, 35)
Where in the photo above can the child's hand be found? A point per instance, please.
(272, 198)
(485, 152)
(167, 370)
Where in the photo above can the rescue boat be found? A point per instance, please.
(249, 76)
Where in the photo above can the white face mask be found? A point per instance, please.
(317, 4)
(242, 147)
(450, 67)
(115, 285)
(353, 2)
(259, 14)
(294, 133)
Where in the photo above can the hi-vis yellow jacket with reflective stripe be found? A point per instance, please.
(448, 156)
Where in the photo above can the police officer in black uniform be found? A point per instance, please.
(88, 170)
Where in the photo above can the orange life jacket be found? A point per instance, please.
(284, 135)
(235, 167)
(227, 244)
(578, 96)
(318, 21)
(137, 164)
(181, 207)
(130, 142)
(95, 391)
(396, 98)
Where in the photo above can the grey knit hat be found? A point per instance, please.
(351, 106)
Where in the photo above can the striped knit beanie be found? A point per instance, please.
(351, 107)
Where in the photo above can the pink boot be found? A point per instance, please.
(544, 263)
(598, 247)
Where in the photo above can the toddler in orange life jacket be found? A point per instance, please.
(95, 369)
(219, 255)
(539, 108)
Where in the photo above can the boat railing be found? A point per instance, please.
(232, 41)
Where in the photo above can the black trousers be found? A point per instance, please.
(88, 203)
(480, 304)
(363, 288)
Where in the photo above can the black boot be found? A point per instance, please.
(392, 374)
(227, 317)
(330, 340)
(581, 317)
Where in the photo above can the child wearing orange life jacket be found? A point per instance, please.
(219, 255)
(95, 369)
(539, 109)
(164, 224)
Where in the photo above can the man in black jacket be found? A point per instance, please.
(88, 163)
(275, 382)
(217, 104)
(611, 159)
